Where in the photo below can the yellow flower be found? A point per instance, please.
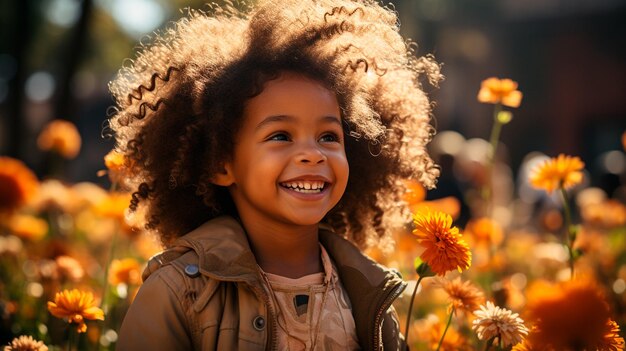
(18, 184)
(463, 295)
(445, 249)
(571, 315)
(494, 91)
(28, 227)
(124, 271)
(76, 306)
(61, 137)
(562, 171)
(26, 343)
(496, 322)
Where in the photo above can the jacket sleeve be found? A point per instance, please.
(156, 319)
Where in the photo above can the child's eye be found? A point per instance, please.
(280, 136)
(330, 137)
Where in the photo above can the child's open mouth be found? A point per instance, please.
(305, 186)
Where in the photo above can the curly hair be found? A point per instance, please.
(179, 105)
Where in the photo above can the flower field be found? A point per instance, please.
(542, 271)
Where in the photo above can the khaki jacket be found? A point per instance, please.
(206, 293)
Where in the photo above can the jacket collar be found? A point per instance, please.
(224, 254)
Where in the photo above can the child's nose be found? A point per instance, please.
(310, 154)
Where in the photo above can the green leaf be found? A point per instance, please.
(424, 270)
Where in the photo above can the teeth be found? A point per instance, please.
(307, 187)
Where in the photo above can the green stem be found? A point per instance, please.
(70, 338)
(493, 141)
(570, 235)
(489, 343)
(446, 330)
(408, 316)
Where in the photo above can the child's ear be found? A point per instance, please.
(224, 177)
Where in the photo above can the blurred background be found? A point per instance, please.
(568, 56)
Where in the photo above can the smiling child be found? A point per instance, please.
(267, 147)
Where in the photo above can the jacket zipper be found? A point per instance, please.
(395, 292)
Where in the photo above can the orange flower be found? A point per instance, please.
(607, 214)
(484, 231)
(562, 171)
(415, 192)
(494, 91)
(68, 267)
(612, 341)
(463, 295)
(527, 345)
(571, 315)
(114, 205)
(61, 137)
(26, 343)
(18, 184)
(454, 341)
(75, 306)
(115, 163)
(125, 271)
(28, 227)
(445, 249)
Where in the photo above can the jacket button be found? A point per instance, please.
(192, 270)
(258, 323)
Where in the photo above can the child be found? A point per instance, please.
(267, 147)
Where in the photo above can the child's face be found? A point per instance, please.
(289, 164)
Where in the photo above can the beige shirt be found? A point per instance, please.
(313, 311)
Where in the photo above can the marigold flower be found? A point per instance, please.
(114, 205)
(68, 267)
(527, 345)
(127, 271)
(26, 343)
(496, 322)
(494, 91)
(612, 341)
(484, 231)
(415, 192)
(115, 163)
(18, 184)
(607, 214)
(454, 341)
(61, 137)
(463, 295)
(75, 306)
(562, 171)
(569, 316)
(445, 249)
(28, 227)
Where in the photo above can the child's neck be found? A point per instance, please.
(284, 250)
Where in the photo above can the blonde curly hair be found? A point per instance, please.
(180, 102)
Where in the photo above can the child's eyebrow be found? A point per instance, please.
(291, 119)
